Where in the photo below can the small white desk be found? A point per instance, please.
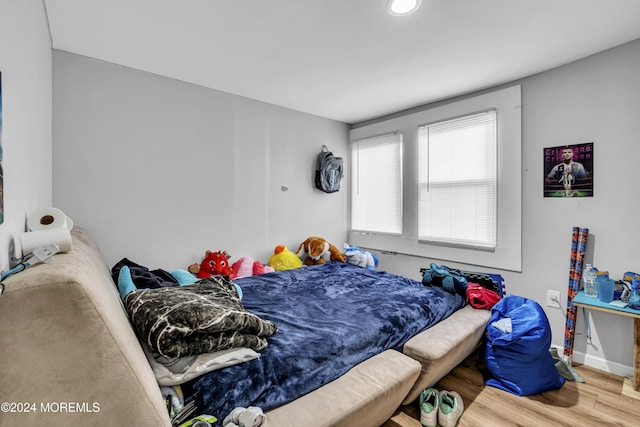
(631, 387)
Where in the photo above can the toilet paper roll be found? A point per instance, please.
(36, 239)
(49, 219)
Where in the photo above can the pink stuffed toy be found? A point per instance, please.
(247, 266)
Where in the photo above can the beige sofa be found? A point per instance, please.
(69, 357)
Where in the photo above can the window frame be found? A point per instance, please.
(355, 180)
(493, 179)
(507, 254)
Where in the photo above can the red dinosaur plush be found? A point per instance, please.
(213, 263)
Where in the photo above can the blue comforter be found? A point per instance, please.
(330, 317)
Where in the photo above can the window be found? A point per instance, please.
(376, 201)
(457, 181)
(460, 192)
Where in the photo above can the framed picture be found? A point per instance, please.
(568, 171)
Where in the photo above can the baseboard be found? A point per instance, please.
(600, 363)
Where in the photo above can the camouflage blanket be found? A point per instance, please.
(203, 317)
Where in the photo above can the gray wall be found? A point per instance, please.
(25, 64)
(159, 170)
(211, 175)
(592, 100)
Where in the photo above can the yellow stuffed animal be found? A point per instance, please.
(316, 250)
(284, 259)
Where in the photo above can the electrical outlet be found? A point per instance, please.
(553, 298)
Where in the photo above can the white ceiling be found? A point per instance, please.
(346, 60)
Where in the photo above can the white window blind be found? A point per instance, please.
(376, 193)
(458, 181)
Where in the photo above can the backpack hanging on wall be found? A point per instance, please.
(328, 171)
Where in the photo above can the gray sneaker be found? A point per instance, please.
(429, 407)
(451, 408)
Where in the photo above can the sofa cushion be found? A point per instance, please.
(367, 395)
(443, 346)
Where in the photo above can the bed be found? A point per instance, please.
(309, 328)
(330, 318)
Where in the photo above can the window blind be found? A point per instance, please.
(457, 199)
(376, 193)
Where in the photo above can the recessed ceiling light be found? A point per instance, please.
(402, 7)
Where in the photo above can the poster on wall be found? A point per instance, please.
(1, 164)
(568, 171)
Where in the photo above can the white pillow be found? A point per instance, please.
(179, 370)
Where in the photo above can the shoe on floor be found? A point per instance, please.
(429, 402)
(450, 409)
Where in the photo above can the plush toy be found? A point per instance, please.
(316, 250)
(213, 263)
(360, 257)
(247, 266)
(284, 259)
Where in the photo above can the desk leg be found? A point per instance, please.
(631, 386)
(636, 354)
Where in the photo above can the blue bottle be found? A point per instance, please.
(634, 297)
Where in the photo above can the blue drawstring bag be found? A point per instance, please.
(517, 354)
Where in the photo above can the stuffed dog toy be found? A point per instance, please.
(316, 250)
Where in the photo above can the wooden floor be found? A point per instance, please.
(596, 402)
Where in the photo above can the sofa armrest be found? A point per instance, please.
(68, 350)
